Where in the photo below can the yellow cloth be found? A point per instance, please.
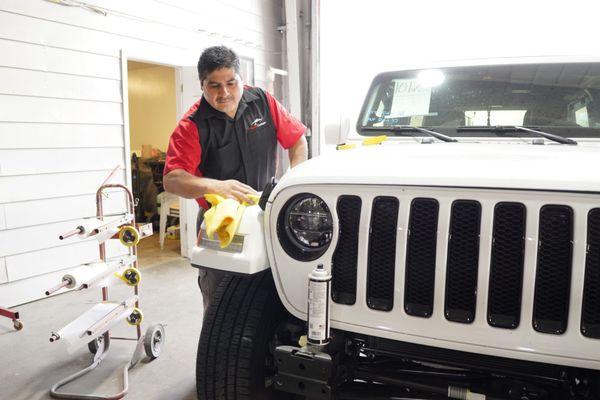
(224, 216)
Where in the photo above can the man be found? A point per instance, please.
(226, 143)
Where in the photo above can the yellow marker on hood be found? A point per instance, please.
(224, 216)
(374, 140)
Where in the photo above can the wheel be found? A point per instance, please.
(136, 317)
(96, 344)
(234, 359)
(18, 325)
(153, 340)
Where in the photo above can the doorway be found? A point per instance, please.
(152, 100)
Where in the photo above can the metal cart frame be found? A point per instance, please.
(151, 341)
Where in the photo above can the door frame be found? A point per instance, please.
(147, 58)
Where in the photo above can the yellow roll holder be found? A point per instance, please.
(136, 317)
(129, 236)
(131, 276)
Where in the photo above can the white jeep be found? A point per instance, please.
(464, 249)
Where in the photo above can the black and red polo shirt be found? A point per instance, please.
(209, 143)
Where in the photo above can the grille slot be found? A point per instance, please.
(463, 261)
(553, 273)
(590, 313)
(382, 253)
(344, 262)
(420, 257)
(506, 268)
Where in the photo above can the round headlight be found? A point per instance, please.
(305, 227)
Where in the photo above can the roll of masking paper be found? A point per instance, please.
(75, 333)
(85, 273)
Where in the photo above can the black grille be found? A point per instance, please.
(463, 261)
(506, 268)
(420, 257)
(343, 286)
(553, 275)
(382, 253)
(590, 313)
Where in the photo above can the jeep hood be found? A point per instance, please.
(477, 165)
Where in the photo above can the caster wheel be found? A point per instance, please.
(154, 340)
(129, 236)
(136, 317)
(96, 345)
(18, 325)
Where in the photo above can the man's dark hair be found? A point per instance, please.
(217, 57)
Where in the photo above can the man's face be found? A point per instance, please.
(223, 90)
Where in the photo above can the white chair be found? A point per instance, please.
(169, 207)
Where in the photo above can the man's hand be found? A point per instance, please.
(231, 189)
(186, 185)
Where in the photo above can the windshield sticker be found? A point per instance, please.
(410, 99)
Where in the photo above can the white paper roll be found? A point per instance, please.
(74, 334)
(84, 274)
(89, 225)
(106, 234)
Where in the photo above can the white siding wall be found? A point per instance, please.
(62, 127)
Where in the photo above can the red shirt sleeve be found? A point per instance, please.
(184, 149)
(184, 146)
(288, 128)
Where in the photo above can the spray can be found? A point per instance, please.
(319, 289)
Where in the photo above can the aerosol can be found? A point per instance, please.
(319, 289)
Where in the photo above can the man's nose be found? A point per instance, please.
(223, 92)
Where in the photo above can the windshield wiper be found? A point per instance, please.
(510, 128)
(400, 129)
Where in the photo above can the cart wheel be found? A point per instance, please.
(18, 325)
(153, 340)
(136, 317)
(129, 236)
(96, 344)
(131, 276)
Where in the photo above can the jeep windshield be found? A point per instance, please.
(561, 99)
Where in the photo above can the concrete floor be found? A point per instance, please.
(30, 364)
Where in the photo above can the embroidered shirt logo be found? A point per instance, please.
(258, 122)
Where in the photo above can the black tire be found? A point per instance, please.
(154, 340)
(95, 344)
(236, 334)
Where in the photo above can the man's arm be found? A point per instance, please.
(298, 152)
(186, 185)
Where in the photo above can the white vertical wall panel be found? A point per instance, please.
(133, 30)
(27, 135)
(42, 58)
(3, 272)
(34, 187)
(26, 290)
(48, 84)
(36, 212)
(35, 109)
(2, 216)
(26, 265)
(44, 161)
(61, 112)
(21, 28)
(38, 237)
